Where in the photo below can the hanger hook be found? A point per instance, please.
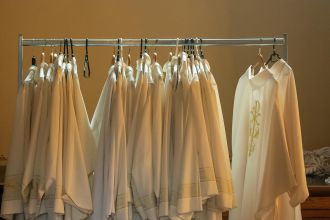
(141, 47)
(274, 44)
(71, 44)
(145, 44)
(118, 50)
(86, 62)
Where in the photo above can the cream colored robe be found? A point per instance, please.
(12, 201)
(261, 164)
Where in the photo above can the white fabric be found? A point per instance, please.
(288, 97)
(76, 190)
(166, 159)
(30, 179)
(87, 140)
(118, 136)
(142, 183)
(261, 164)
(157, 124)
(100, 121)
(218, 142)
(12, 201)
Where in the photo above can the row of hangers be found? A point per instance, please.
(67, 56)
(189, 47)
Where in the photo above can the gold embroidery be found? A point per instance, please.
(254, 127)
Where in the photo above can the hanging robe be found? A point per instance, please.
(76, 189)
(288, 97)
(261, 165)
(142, 184)
(165, 173)
(157, 117)
(100, 124)
(12, 201)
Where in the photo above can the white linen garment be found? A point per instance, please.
(118, 136)
(141, 182)
(30, 181)
(157, 123)
(76, 190)
(261, 164)
(12, 201)
(100, 122)
(55, 138)
(288, 96)
(224, 201)
(166, 159)
(87, 139)
(181, 88)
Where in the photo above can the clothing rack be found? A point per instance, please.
(45, 42)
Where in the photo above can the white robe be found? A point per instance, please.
(157, 123)
(142, 184)
(137, 210)
(118, 140)
(229, 198)
(12, 201)
(129, 112)
(181, 88)
(30, 181)
(76, 189)
(102, 168)
(216, 205)
(87, 139)
(288, 96)
(261, 165)
(165, 173)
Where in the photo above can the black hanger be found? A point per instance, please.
(193, 47)
(273, 55)
(34, 61)
(71, 44)
(118, 50)
(145, 44)
(87, 70)
(200, 48)
(66, 49)
(141, 47)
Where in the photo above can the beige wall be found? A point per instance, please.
(306, 21)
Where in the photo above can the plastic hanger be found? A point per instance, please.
(34, 61)
(71, 45)
(141, 47)
(87, 70)
(200, 48)
(273, 55)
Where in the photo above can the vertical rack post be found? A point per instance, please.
(286, 47)
(20, 61)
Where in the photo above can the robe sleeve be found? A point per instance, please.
(293, 135)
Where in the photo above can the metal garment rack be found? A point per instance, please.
(44, 42)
